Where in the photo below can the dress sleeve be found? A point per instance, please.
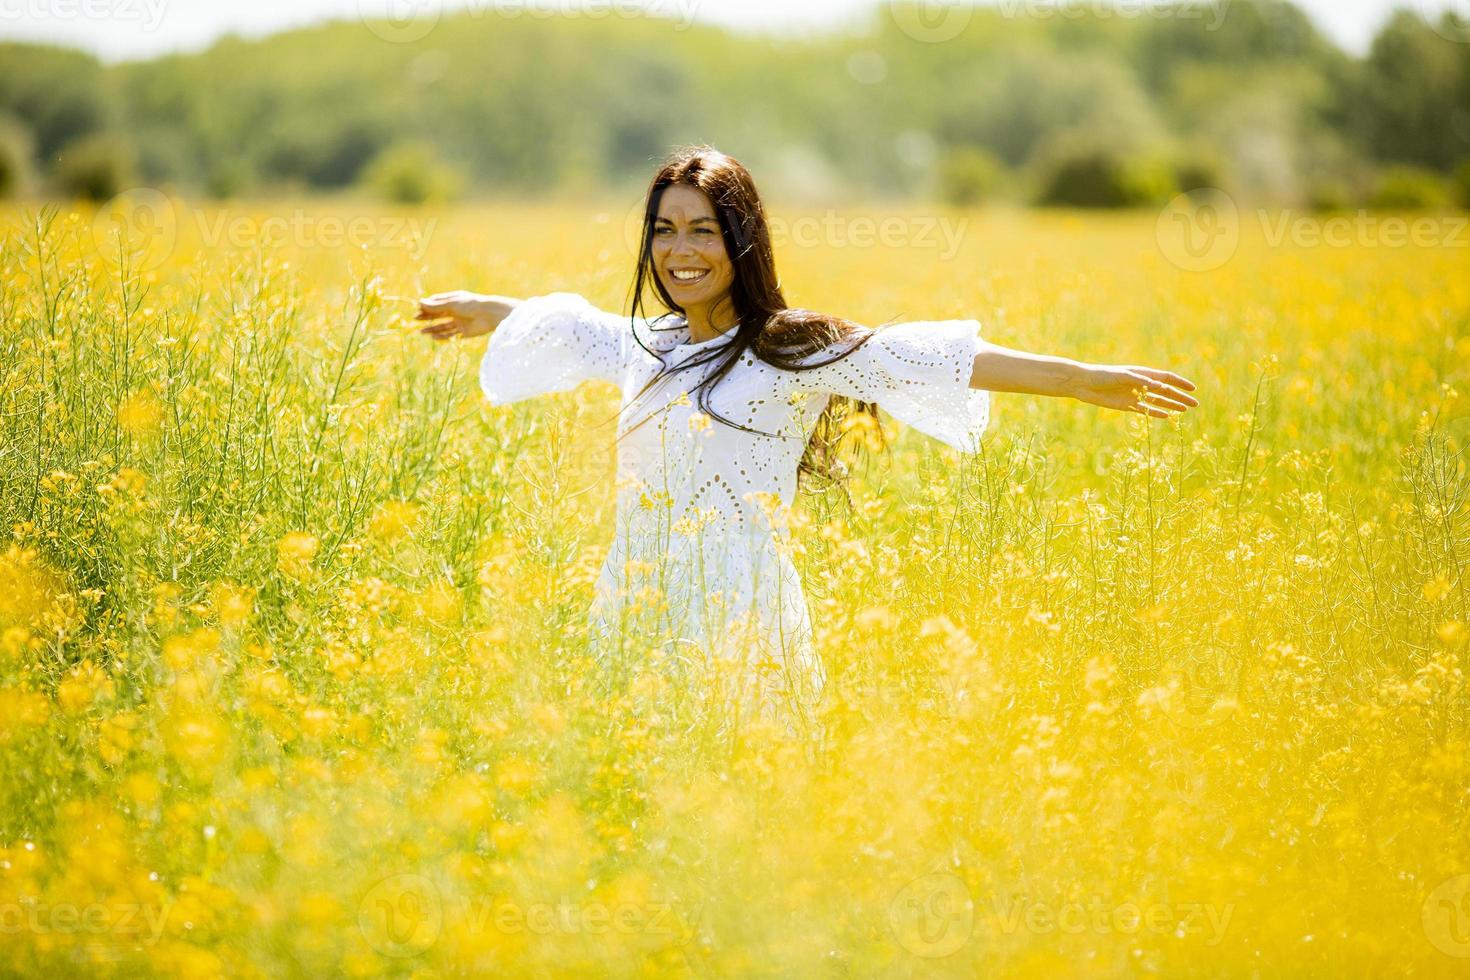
(552, 343)
(918, 372)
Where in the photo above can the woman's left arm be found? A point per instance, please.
(1126, 388)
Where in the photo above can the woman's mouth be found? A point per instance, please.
(687, 277)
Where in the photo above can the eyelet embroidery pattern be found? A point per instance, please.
(695, 503)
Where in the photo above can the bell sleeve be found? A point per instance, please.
(918, 372)
(552, 343)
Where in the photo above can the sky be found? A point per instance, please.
(118, 30)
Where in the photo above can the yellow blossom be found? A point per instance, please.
(83, 684)
(139, 414)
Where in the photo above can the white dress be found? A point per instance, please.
(698, 565)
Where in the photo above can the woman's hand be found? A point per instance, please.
(1129, 388)
(462, 314)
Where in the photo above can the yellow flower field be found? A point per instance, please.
(292, 678)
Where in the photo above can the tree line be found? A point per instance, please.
(1028, 102)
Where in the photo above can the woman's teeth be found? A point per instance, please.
(689, 275)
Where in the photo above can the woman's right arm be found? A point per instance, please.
(460, 313)
(538, 346)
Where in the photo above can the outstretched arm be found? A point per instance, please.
(461, 313)
(1127, 388)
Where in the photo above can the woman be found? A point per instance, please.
(727, 401)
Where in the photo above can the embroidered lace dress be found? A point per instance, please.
(698, 560)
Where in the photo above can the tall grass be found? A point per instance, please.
(293, 678)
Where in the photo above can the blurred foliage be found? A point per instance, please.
(1410, 187)
(97, 166)
(1198, 171)
(410, 173)
(968, 176)
(1462, 184)
(1249, 96)
(1099, 177)
(17, 149)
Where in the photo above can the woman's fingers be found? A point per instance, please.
(440, 304)
(1165, 401)
(441, 309)
(1158, 387)
(1161, 375)
(440, 331)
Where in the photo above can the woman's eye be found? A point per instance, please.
(706, 232)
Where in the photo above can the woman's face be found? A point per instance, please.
(689, 250)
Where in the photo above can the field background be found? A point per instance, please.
(291, 679)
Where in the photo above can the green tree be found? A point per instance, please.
(410, 172)
(98, 166)
(1415, 96)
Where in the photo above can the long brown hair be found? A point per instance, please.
(773, 332)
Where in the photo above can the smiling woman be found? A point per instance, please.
(746, 396)
(691, 258)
